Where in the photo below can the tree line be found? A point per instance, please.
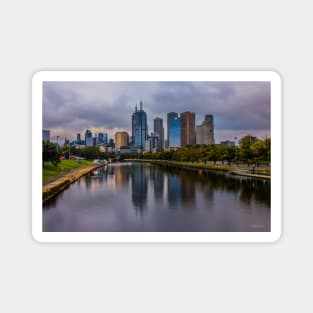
(250, 150)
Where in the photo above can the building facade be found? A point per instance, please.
(88, 134)
(121, 139)
(159, 131)
(205, 131)
(46, 135)
(188, 124)
(173, 130)
(139, 127)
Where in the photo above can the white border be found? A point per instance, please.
(271, 76)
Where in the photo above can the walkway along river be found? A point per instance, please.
(144, 197)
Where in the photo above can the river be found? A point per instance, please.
(144, 197)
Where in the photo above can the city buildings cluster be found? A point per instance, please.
(181, 131)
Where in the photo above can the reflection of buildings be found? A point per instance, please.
(188, 191)
(188, 136)
(173, 189)
(158, 183)
(121, 176)
(139, 185)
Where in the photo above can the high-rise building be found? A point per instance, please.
(88, 134)
(105, 138)
(173, 130)
(89, 142)
(121, 139)
(205, 131)
(188, 136)
(139, 127)
(100, 138)
(78, 139)
(159, 131)
(46, 135)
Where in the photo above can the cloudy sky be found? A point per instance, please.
(239, 108)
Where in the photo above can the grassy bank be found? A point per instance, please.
(50, 171)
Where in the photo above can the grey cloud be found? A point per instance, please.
(74, 106)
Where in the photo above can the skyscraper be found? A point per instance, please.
(188, 136)
(173, 130)
(88, 134)
(100, 138)
(78, 139)
(205, 131)
(159, 131)
(139, 127)
(121, 139)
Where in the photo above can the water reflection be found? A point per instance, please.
(139, 185)
(114, 197)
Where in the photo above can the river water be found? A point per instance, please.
(146, 197)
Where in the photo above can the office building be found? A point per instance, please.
(151, 143)
(100, 139)
(205, 131)
(105, 138)
(46, 135)
(88, 134)
(159, 132)
(173, 130)
(121, 139)
(139, 127)
(78, 139)
(188, 123)
(89, 141)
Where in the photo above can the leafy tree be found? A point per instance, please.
(49, 153)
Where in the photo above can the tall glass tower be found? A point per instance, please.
(173, 129)
(139, 127)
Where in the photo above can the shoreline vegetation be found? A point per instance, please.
(239, 170)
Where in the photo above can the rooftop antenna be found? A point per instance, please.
(140, 105)
(136, 107)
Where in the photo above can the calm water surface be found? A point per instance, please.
(145, 197)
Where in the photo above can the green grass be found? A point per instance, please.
(49, 171)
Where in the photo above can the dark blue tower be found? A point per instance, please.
(139, 127)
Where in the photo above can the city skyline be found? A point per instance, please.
(239, 108)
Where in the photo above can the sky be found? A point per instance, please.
(239, 108)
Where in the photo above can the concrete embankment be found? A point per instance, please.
(53, 188)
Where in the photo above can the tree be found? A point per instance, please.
(245, 152)
(49, 153)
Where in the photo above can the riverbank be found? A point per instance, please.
(50, 171)
(202, 167)
(59, 184)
